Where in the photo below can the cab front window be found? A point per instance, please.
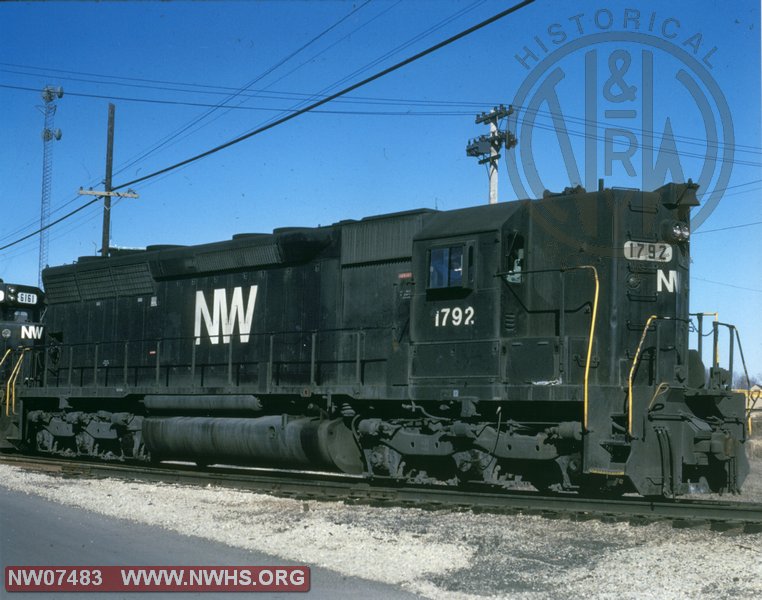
(21, 316)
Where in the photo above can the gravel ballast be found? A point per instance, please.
(438, 554)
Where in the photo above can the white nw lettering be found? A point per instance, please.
(31, 332)
(221, 321)
(664, 282)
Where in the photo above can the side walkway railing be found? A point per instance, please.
(267, 360)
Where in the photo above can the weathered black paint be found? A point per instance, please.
(481, 376)
(21, 307)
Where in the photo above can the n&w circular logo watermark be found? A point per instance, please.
(620, 94)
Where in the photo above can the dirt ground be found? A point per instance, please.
(442, 554)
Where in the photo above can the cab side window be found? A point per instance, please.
(514, 259)
(446, 267)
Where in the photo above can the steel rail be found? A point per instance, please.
(718, 515)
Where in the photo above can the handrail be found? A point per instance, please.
(751, 396)
(10, 387)
(78, 371)
(2, 360)
(716, 315)
(734, 339)
(740, 351)
(635, 361)
(15, 378)
(7, 352)
(263, 335)
(701, 315)
(588, 360)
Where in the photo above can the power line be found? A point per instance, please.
(166, 142)
(225, 90)
(402, 113)
(599, 138)
(396, 50)
(730, 227)
(293, 115)
(730, 285)
(735, 186)
(238, 92)
(31, 223)
(49, 225)
(297, 112)
(72, 225)
(738, 185)
(343, 92)
(354, 99)
(684, 138)
(255, 108)
(273, 94)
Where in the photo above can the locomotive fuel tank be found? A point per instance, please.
(272, 441)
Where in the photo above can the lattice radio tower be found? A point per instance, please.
(49, 95)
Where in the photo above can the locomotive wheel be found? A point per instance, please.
(546, 483)
(598, 487)
(547, 478)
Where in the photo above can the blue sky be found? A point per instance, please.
(397, 144)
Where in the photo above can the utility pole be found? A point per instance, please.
(107, 194)
(106, 239)
(487, 147)
(49, 95)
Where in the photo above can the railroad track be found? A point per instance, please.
(717, 515)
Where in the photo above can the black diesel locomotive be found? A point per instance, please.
(542, 340)
(21, 309)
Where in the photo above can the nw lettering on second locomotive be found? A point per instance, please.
(31, 332)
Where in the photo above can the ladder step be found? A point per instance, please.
(615, 442)
(613, 469)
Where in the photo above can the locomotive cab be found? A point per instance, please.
(556, 332)
(455, 323)
(21, 309)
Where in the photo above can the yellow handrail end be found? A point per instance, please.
(635, 360)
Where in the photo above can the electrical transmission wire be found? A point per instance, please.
(735, 186)
(315, 96)
(729, 227)
(164, 142)
(338, 94)
(174, 139)
(72, 225)
(143, 154)
(600, 138)
(51, 224)
(280, 95)
(409, 113)
(350, 99)
(259, 130)
(646, 132)
(390, 53)
(730, 285)
(213, 107)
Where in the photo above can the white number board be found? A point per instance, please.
(26, 298)
(656, 252)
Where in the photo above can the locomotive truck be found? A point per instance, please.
(537, 340)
